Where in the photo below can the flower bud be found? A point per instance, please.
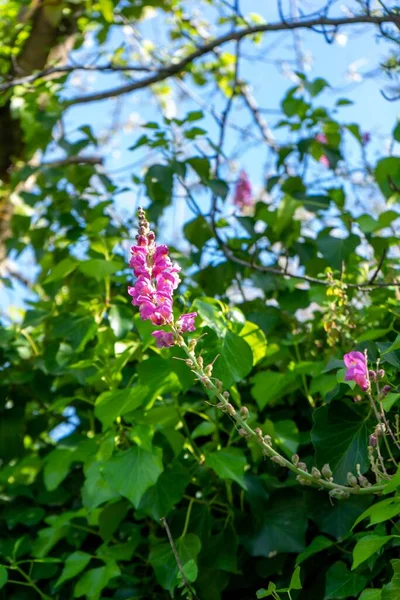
(189, 362)
(226, 395)
(316, 473)
(373, 440)
(244, 412)
(267, 440)
(381, 374)
(303, 480)
(192, 345)
(380, 430)
(352, 480)
(279, 460)
(302, 466)
(200, 362)
(259, 434)
(295, 459)
(372, 375)
(208, 370)
(242, 432)
(363, 481)
(326, 472)
(385, 390)
(230, 410)
(339, 494)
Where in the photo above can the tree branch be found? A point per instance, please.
(174, 69)
(73, 160)
(70, 69)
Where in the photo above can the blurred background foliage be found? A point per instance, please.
(102, 434)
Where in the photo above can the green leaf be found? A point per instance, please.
(228, 463)
(316, 86)
(160, 499)
(132, 472)
(77, 330)
(394, 483)
(121, 320)
(287, 436)
(387, 174)
(57, 467)
(254, 336)
(96, 490)
(391, 591)
(381, 511)
(367, 546)
(336, 250)
(62, 270)
(159, 181)
(394, 346)
(107, 10)
(110, 405)
(341, 583)
(370, 594)
(74, 564)
(282, 527)
(235, 358)
(340, 437)
(99, 268)
(269, 386)
(94, 581)
(318, 544)
(163, 560)
(295, 582)
(198, 232)
(47, 538)
(3, 576)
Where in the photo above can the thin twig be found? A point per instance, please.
(178, 560)
(176, 67)
(379, 267)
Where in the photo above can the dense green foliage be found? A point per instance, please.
(103, 435)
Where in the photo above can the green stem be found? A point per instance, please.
(30, 582)
(269, 450)
(187, 520)
(194, 446)
(304, 379)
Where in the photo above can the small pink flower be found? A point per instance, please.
(186, 322)
(356, 369)
(243, 192)
(321, 137)
(324, 160)
(164, 339)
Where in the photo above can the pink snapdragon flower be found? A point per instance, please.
(165, 339)
(356, 369)
(186, 322)
(157, 278)
(243, 192)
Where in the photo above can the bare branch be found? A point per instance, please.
(365, 286)
(72, 160)
(64, 70)
(178, 67)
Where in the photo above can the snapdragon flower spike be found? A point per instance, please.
(157, 276)
(243, 192)
(356, 369)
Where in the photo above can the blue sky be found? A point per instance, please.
(347, 64)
